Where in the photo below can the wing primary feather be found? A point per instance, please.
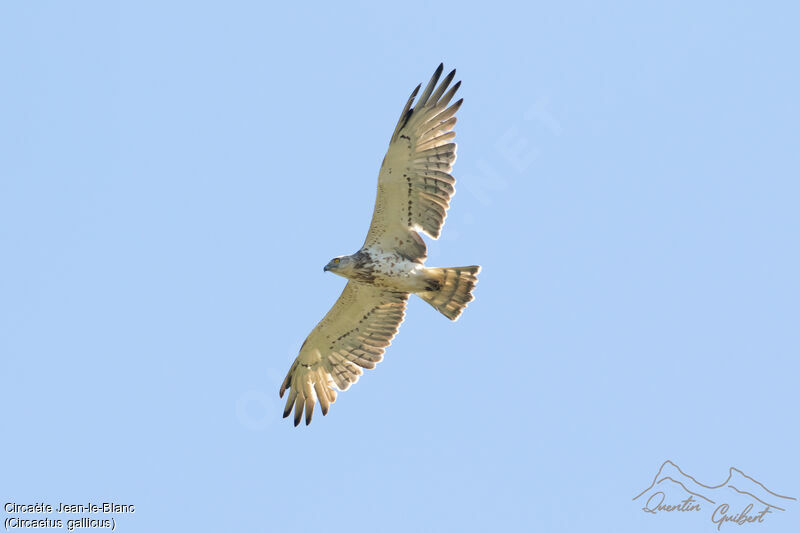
(322, 396)
(447, 113)
(442, 103)
(436, 141)
(431, 84)
(309, 394)
(442, 86)
(298, 410)
(443, 150)
(404, 115)
(441, 126)
(289, 405)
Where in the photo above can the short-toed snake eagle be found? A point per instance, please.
(414, 191)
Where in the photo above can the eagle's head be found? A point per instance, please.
(339, 265)
(356, 266)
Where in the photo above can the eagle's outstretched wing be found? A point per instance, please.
(353, 335)
(414, 184)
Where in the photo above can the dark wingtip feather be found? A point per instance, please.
(437, 94)
(423, 99)
(298, 407)
(287, 382)
(438, 73)
(447, 79)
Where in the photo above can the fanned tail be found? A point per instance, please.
(451, 289)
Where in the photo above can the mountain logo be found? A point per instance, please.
(738, 500)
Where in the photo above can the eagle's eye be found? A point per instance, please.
(336, 260)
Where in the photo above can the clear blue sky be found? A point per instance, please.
(174, 176)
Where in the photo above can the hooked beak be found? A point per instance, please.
(325, 268)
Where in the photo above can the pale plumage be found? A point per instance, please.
(414, 192)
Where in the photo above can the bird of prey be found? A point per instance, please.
(414, 191)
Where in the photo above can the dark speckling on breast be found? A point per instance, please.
(363, 266)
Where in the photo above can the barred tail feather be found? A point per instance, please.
(451, 289)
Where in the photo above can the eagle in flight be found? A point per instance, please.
(414, 191)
